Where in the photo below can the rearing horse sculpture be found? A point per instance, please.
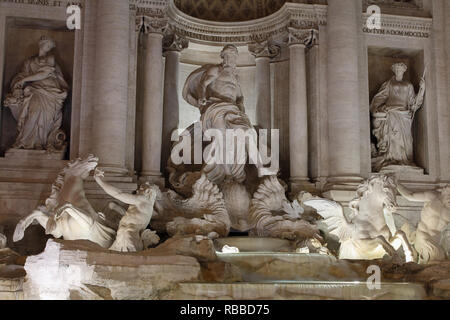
(67, 212)
(370, 233)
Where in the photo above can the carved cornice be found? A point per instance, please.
(173, 42)
(265, 49)
(401, 26)
(305, 37)
(273, 26)
(159, 13)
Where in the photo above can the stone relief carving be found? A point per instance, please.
(173, 42)
(370, 233)
(36, 100)
(306, 37)
(287, 223)
(151, 23)
(266, 49)
(204, 213)
(132, 234)
(393, 110)
(435, 218)
(67, 213)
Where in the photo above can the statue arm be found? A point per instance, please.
(380, 98)
(44, 73)
(209, 77)
(415, 196)
(116, 193)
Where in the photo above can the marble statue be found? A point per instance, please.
(36, 101)
(216, 92)
(67, 213)
(435, 218)
(212, 197)
(132, 235)
(287, 224)
(3, 241)
(370, 233)
(393, 110)
(203, 214)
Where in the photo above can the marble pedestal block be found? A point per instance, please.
(403, 171)
(35, 154)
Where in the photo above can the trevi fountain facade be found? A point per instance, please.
(184, 149)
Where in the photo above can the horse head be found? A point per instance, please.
(375, 194)
(81, 167)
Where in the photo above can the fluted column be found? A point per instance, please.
(263, 53)
(172, 46)
(152, 111)
(111, 85)
(343, 27)
(299, 39)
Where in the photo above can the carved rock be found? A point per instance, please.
(81, 270)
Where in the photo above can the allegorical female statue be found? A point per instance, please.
(38, 93)
(393, 110)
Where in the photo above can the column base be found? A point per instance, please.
(114, 171)
(345, 183)
(301, 184)
(153, 178)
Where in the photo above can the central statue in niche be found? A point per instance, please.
(393, 111)
(216, 92)
(211, 197)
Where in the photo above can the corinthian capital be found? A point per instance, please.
(306, 37)
(174, 42)
(264, 49)
(151, 24)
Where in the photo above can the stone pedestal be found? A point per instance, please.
(35, 154)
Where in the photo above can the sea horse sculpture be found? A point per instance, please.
(371, 232)
(67, 213)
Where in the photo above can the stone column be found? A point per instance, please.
(172, 46)
(152, 111)
(263, 53)
(299, 39)
(343, 91)
(443, 83)
(111, 85)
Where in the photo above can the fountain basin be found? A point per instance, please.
(254, 244)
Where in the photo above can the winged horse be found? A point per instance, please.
(370, 233)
